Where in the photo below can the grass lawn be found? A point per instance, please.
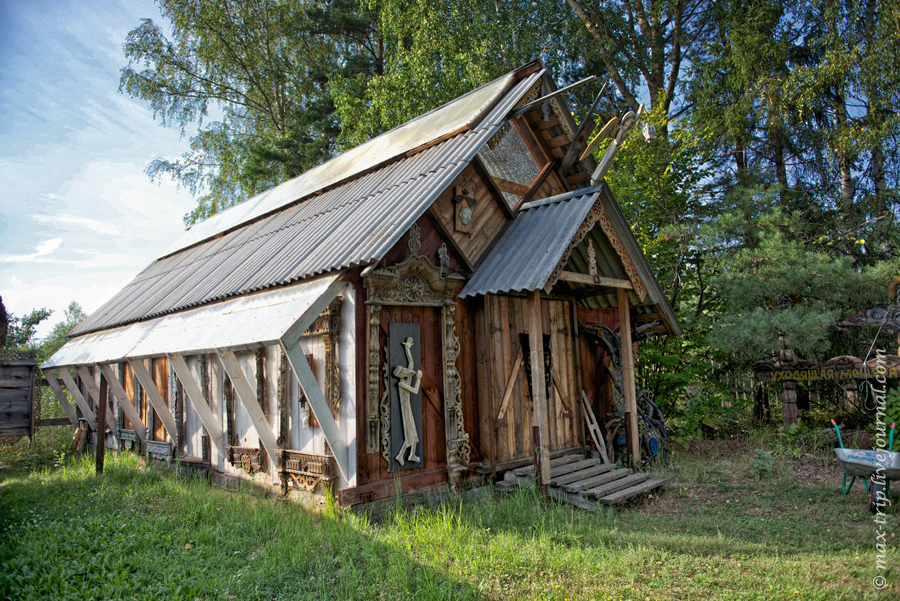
(733, 524)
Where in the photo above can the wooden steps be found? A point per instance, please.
(584, 483)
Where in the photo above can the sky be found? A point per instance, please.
(78, 216)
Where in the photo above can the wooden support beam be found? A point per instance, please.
(67, 379)
(88, 378)
(628, 375)
(124, 402)
(511, 187)
(247, 395)
(102, 415)
(159, 405)
(543, 99)
(199, 401)
(294, 333)
(61, 397)
(319, 406)
(581, 136)
(511, 383)
(538, 385)
(583, 278)
(537, 183)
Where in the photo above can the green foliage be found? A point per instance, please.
(437, 50)
(74, 315)
(762, 464)
(262, 68)
(22, 329)
(892, 413)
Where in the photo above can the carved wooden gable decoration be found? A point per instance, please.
(415, 281)
(598, 218)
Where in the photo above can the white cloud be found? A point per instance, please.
(105, 228)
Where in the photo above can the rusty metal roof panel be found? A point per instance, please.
(350, 225)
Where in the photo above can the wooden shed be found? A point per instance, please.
(369, 324)
(18, 388)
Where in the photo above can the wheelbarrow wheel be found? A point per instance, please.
(875, 487)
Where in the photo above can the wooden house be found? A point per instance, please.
(369, 323)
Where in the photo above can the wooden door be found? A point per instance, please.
(511, 423)
(432, 437)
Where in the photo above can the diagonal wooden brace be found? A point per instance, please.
(67, 379)
(248, 397)
(319, 406)
(149, 386)
(124, 402)
(199, 401)
(88, 378)
(61, 396)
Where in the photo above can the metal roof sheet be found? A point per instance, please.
(459, 114)
(534, 242)
(350, 225)
(526, 255)
(235, 324)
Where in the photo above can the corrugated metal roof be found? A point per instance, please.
(347, 226)
(534, 242)
(526, 255)
(236, 324)
(462, 113)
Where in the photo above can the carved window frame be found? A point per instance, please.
(328, 325)
(415, 282)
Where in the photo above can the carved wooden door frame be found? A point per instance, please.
(415, 282)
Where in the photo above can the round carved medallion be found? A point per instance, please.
(412, 288)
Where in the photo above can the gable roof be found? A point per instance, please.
(527, 255)
(249, 248)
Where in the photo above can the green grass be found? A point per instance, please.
(724, 529)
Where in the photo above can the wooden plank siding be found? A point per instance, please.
(504, 318)
(488, 216)
(16, 390)
(594, 380)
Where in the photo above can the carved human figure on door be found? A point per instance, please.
(410, 379)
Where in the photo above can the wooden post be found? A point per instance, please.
(634, 447)
(538, 388)
(101, 425)
(789, 399)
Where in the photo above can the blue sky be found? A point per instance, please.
(78, 217)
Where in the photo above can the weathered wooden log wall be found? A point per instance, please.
(17, 390)
(509, 432)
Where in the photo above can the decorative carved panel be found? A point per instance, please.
(308, 471)
(248, 459)
(328, 325)
(415, 281)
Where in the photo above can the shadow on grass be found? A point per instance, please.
(143, 534)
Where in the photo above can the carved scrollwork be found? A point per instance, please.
(328, 325)
(415, 281)
(385, 409)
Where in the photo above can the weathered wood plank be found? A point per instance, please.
(536, 338)
(615, 486)
(247, 395)
(60, 396)
(89, 381)
(124, 402)
(199, 401)
(510, 384)
(628, 493)
(574, 466)
(628, 375)
(595, 469)
(554, 462)
(69, 382)
(597, 480)
(159, 405)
